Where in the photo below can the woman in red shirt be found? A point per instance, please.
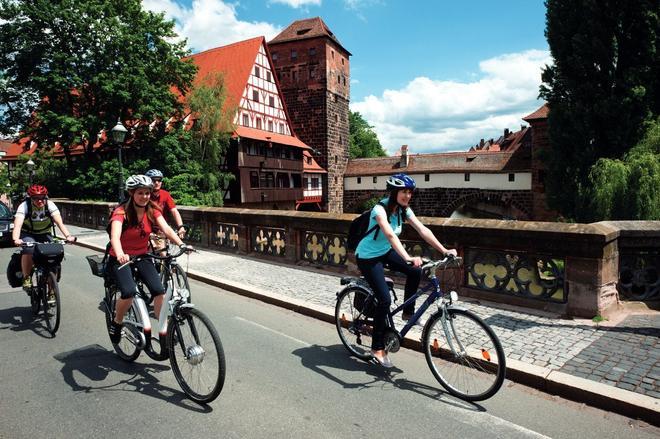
(130, 227)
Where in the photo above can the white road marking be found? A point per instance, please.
(304, 343)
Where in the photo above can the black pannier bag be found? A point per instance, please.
(364, 303)
(48, 254)
(14, 272)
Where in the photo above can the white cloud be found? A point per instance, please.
(298, 3)
(435, 115)
(210, 23)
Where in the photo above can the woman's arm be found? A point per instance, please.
(167, 230)
(115, 241)
(427, 235)
(394, 241)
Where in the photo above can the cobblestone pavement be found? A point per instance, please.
(626, 355)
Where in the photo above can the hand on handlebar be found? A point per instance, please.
(18, 242)
(415, 261)
(187, 248)
(123, 258)
(71, 238)
(451, 253)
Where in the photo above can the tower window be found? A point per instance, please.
(342, 61)
(294, 54)
(274, 56)
(312, 51)
(332, 54)
(338, 79)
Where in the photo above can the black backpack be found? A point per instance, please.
(360, 228)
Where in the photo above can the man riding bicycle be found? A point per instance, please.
(34, 219)
(164, 199)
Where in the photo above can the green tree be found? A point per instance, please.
(630, 188)
(71, 68)
(602, 87)
(363, 141)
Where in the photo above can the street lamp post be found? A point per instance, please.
(30, 165)
(118, 136)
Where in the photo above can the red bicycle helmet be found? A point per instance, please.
(37, 189)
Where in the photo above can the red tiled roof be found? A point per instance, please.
(312, 167)
(472, 161)
(267, 136)
(235, 61)
(541, 113)
(306, 29)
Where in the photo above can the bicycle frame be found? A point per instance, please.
(435, 295)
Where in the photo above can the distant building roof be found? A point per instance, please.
(541, 113)
(306, 29)
(471, 161)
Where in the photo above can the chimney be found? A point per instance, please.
(404, 156)
(481, 143)
(506, 133)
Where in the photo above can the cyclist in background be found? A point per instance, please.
(163, 198)
(35, 221)
(130, 226)
(382, 248)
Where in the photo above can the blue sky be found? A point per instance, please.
(435, 75)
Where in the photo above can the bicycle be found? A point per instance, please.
(168, 269)
(462, 351)
(45, 291)
(186, 335)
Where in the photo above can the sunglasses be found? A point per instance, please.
(157, 180)
(38, 198)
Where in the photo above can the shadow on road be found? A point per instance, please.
(322, 358)
(96, 363)
(21, 318)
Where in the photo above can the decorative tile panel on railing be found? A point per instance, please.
(78, 216)
(324, 248)
(517, 274)
(68, 215)
(102, 220)
(225, 236)
(268, 241)
(89, 218)
(639, 275)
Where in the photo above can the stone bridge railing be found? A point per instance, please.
(573, 269)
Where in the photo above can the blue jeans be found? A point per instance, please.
(373, 270)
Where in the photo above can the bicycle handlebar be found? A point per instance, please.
(182, 250)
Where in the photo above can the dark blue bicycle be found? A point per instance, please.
(462, 351)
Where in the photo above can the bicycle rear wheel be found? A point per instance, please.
(52, 306)
(464, 354)
(126, 348)
(196, 355)
(354, 321)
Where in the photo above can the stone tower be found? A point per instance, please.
(313, 71)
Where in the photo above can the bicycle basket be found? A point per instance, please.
(97, 264)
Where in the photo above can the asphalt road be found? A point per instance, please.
(287, 376)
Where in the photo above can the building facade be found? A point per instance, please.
(313, 71)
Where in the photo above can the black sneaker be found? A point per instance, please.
(115, 331)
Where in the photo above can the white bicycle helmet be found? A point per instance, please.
(154, 173)
(138, 181)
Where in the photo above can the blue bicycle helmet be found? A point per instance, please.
(400, 181)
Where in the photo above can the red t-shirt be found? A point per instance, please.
(164, 200)
(134, 240)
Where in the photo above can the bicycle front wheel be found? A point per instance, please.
(464, 354)
(196, 355)
(354, 321)
(51, 303)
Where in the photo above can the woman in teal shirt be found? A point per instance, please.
(382, 248)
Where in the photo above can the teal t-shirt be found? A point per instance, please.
(372, 248)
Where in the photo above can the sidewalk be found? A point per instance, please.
(612, 365)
